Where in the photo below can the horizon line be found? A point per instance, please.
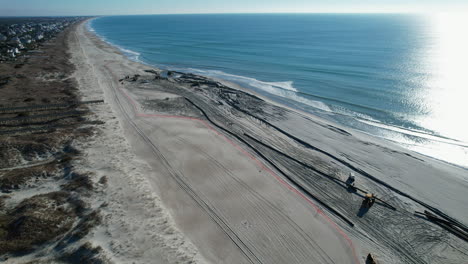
(237, 13)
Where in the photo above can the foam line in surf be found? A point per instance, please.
(133, 55)
(284, 89)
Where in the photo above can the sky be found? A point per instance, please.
(126, 7)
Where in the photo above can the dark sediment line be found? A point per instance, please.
(308, 166)
(297, 185)
(447, 225)
(191, 78)
(358, 170)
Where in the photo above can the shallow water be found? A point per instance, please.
(393, 76)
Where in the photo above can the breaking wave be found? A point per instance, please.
(283, 89)
(133, 55)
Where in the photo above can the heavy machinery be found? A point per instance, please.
(368, 201)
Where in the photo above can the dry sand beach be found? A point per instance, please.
(201, 172)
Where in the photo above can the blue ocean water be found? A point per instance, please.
(380, 74)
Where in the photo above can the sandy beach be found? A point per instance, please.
(200, 172)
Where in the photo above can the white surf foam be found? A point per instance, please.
(283, 89)
(132, 55)
(89, 26)
(288, 85)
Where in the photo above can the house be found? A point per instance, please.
(11, 53)
(39, 36)
(15, 41)
(26, 39)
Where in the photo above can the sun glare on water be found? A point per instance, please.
(445, 93)
(448, 88)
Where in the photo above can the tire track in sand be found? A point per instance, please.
(249, 155)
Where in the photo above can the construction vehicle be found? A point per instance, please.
(350, 183)
(368, 201)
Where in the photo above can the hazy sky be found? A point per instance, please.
(112, 7)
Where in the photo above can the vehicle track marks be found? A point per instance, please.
(258, 162)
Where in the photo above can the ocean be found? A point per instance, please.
(393, 76)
